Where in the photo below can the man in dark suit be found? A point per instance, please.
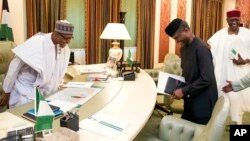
(200, 94)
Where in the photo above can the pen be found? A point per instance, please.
(76, 96)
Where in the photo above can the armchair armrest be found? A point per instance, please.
(1, 83)
(177, 129)
(154, 73)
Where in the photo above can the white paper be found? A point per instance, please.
(162, 81)
(78, 84)
(75, 96)
(92, 69)
(103, 125)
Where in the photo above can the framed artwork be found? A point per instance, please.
(111, 63)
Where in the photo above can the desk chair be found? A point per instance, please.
(176, 129)
(171, 65)
(6, 56)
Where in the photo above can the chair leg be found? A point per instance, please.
(157, 106)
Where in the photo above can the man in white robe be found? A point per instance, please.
(41, 62)
(229, 46)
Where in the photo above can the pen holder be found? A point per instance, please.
(71, 123)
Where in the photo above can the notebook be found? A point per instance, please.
(30, 114)
(173, 84)
(162, 82)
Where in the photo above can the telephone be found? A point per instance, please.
(128, 76)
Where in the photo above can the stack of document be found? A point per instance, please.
(92, 69)
(97, 77)
(78, 84)
(30, 114)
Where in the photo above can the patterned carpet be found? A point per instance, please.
(150, 131)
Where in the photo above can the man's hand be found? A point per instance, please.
(240, 61)
(4, 100)
(178, 94)
(228, 88)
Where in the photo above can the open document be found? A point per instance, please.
(96, 68)
(163, 79)
(69, 98)
(78, 84)
(103, 125)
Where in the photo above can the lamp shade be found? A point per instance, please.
(115, 31)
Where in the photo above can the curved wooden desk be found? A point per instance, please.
(134, 104)
(130, 101)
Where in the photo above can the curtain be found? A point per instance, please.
(98, 14)
(145, 32)
(73, 8)
(42, 15)
(206, 17)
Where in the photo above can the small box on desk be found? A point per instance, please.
(128, 76)
(71, 123)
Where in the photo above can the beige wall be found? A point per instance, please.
(228, 5)
(157, 26)
(17, 18)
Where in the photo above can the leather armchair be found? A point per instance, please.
(171, 65)
(176, 129)
(6, 56)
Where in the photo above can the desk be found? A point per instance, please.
(131, 101)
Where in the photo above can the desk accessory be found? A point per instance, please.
(71, 121)
(20, 134)
(115, 32)
(128, 76)
(12, 125)
(14, 137)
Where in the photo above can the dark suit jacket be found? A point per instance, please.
(200, 94)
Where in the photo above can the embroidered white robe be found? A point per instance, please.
(37, 63)
(224, 48)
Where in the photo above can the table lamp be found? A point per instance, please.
(115, 31)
